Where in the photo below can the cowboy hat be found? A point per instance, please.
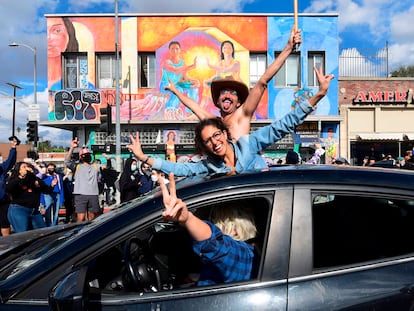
(229, 83)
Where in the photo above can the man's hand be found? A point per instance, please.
(14, 141)
(295, 38)
(74, 143)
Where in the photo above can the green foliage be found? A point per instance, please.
(46, 146)
(403, 72)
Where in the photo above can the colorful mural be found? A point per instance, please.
(189, 51)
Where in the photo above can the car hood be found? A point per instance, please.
(15, 240)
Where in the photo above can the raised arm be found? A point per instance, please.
(136, 148)
(189, 103)
(257, 91)
(176, 210)
(324, 81)
(73, 145)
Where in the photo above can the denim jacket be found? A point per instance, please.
(247, 148)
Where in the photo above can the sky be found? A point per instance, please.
(366, 25)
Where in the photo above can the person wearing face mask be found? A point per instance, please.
(85, 191)
(68, 194)
(146, 179)
(55, 199)
(130, 181)
(25, 188)
(156, 175)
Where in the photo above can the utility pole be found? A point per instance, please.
(117, 103)
(14, 86)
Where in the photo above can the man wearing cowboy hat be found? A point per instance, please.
(237, 108)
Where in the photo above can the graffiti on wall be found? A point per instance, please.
(76, 105)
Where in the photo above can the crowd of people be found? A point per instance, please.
(33, 192)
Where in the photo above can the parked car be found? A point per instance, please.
(329, 238)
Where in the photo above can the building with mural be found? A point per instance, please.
(188, 51)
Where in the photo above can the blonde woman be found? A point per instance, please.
(224, 254)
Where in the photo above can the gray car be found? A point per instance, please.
(329, 238)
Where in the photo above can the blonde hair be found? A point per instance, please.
(236, 221)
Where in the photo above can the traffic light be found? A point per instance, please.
(106, 119)
(32, 134)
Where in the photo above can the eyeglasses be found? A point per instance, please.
(232, 92)
(216, 136)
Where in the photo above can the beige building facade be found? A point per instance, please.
(378, 117)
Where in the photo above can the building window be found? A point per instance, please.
(316, 59)
(75, 68)
(146, 70)
(257, 67)
(289, 74)
(106, 70)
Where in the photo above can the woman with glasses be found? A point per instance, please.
(222, 155)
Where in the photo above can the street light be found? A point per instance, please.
(33, 49)
(14, 86)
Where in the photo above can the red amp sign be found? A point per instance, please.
(384, 97)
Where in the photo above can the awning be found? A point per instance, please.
(380, 136)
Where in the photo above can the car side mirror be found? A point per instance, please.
(70, 293)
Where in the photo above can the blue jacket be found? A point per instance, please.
(4, 168)
(58, 188)
(248, 148)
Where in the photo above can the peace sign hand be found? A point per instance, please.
(175, 209)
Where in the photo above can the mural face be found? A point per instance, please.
(188, 51)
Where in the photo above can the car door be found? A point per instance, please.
(351, 249)
(266, 291)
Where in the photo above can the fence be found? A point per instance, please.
(364, 62)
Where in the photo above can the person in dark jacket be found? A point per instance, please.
(5, 167)
(24, 188)
(146, 181)
(130, 181)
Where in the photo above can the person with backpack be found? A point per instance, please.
(85, 190)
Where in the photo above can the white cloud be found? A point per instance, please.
(383, 21)
(401, 26)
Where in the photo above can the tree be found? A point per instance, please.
(403, 72)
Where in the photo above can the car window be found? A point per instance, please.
(350, 229)
(160, 257)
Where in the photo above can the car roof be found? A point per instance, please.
(302, 174)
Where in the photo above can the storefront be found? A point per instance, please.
(378, 117)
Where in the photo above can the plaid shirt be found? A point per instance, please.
(223, 258)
